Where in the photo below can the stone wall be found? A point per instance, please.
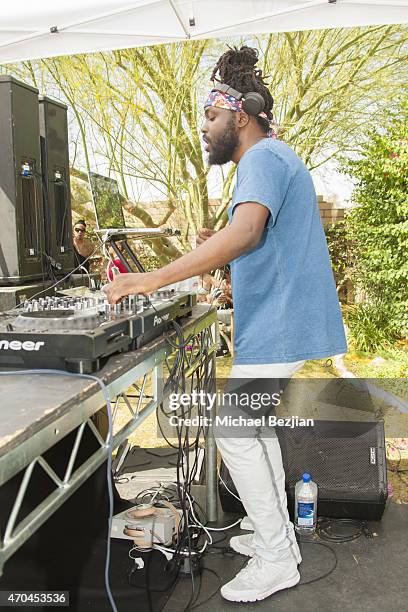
(177, 220)
(329, 212)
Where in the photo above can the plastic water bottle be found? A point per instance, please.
(305, 505)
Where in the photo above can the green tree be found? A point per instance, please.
(341, 252)
(378, 225)
(141, 109)
(328, 84)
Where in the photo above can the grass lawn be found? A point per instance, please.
(388, 373)
(388, 366)
(385, 363)
(312, 369)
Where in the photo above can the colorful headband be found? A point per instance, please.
(219, 99)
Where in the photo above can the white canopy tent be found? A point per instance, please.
(46, 28)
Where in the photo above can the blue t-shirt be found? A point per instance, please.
(286, 306)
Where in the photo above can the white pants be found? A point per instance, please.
(255, 465)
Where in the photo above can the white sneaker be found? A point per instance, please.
(244, 545)
(261, 578)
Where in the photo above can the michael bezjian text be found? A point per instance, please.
(241, 421)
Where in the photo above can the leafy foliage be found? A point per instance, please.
(341, 251)
(329, 84)
(378, 226)
(372, 325)
(146, 256)
(139, 111)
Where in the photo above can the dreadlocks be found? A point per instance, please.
(236, 67)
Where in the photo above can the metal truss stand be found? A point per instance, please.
(120, 375)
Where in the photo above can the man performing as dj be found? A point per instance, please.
(285, 302)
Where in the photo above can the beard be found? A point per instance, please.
(223, 147)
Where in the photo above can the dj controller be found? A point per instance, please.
(78, 334)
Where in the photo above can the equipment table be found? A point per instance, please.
(38, 410)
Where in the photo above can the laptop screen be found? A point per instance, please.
(107, 202)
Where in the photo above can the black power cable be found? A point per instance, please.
(189, 533)
(186, 472)
(332, 530)
(329, 571)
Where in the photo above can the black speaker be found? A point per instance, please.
(56, 184)
(21, 227)
(346, 460)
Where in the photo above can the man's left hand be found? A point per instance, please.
(130, 284)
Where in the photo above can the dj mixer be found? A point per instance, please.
(78, 334)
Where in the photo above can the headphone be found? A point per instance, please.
(252, 102)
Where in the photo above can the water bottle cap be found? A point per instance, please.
(306, 477)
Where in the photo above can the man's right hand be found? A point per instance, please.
(203, 235)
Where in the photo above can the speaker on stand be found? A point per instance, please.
(21, 228)
(56, 184)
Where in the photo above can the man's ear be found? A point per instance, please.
(242, 119)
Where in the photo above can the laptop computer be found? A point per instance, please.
(110, 220)
(106, 201)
